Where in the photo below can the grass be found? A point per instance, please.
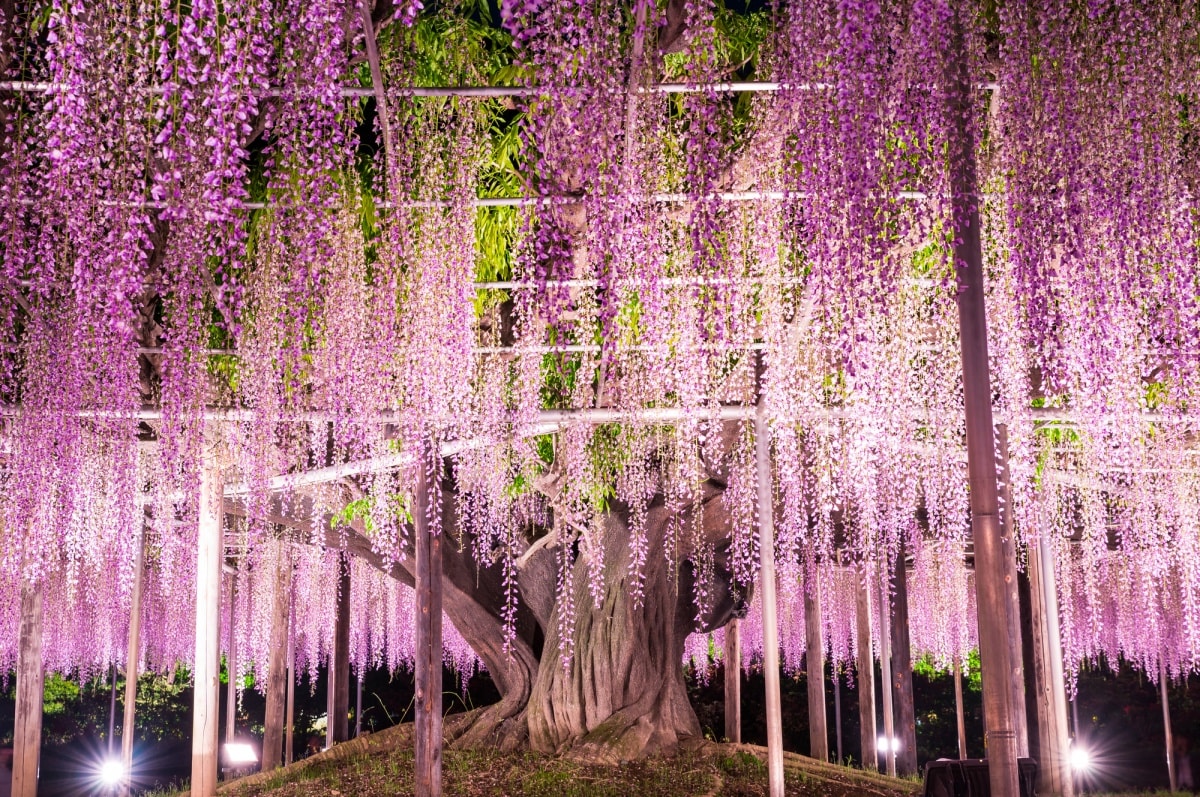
(382, 764)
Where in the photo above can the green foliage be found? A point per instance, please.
(609, 452)
(59, 694)
(559, 375)
(363, 509)
(927, 668)
(742, 764)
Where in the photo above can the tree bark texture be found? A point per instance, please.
(623, 695)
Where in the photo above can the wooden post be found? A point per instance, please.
(338, 726)
(112, 709)
(231, 663)
(902, 686)
(885, 674)
(277, 669)
(733, 681)
(1049, 692)
(290, 722)
(991, 595)
(865, 665)
(1172, 777)
(358, 684)
(31, 682)
(206, 668)
(958, 710)
(814, 661)
(428, 664)
(837, 712)
(1016, 654)
(133, 657)
(770, 609)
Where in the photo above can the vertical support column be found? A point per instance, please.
(991, 596)
(428, 664)
(958, 710)
(277, 669)
(1055, 775)
(112, 711)
(290, 723)
(1035, 712)
(902, 686)
(206, 669)
(231, 664)
(865, 665)
(358, 684)
(338, 726)
(31, 683)
(1172, 777)
(1016, 653)
(885, 673)
(733, 681)
(837, 712)
(133, 657)
(770, 620)
(814, 662)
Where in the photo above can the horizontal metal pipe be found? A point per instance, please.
(480, 92)
(663, 198)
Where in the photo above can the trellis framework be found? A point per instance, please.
(694, 275)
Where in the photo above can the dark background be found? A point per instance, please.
(1120, 720)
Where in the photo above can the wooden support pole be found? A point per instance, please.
(1016, 653)
(338, 725)
(112, 709)
(428, 664)
(231, 663)
(814, 662)
(277, 669)
(206, 668)
(1055, 778)
(995, 649)
(958, 710)
(1172, 776)
(865, 666)
(358, 687)
(885, 674)
(770, 609)
(290, 721)
(133, 658)
(902, 685)
(837, 712)
(1033, 709)
(31, 682)
(733, 681)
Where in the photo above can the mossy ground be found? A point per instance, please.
(383, 765)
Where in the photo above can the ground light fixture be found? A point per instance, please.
(239, 755)
(889, 746)
(1080, 760)
(111, 774)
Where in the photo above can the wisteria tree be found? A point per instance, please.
(268, 243)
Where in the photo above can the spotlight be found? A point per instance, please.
(888, 746)
(1080, 761)
(112, 773)
(240, 754)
